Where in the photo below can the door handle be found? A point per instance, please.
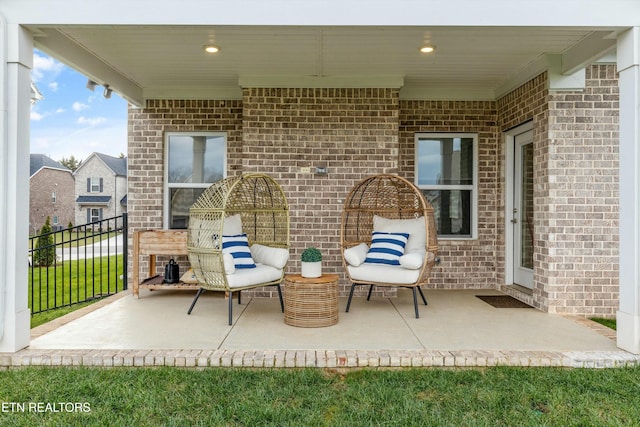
(514, 221)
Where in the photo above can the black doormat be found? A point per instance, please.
(503, 301)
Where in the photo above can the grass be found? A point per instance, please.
(609, 323)
(70, 282)
(312, 397)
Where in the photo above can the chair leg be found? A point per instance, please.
(230, 308)
(353, 286)
(239, 293)
(369, 294)
(280, 296)
(415, 302)
(422, 295)
(200, 291)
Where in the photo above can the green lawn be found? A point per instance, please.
(74, 280)
(314, 397)
(609, 323)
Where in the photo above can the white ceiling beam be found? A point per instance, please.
(224, 93)
(445, 94)
(321, 82)
(69, 53)
(587, 51)
(547, 13)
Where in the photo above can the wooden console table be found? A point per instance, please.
(157, 242)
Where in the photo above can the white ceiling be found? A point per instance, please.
(142, 62)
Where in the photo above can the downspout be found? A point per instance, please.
(4, 142)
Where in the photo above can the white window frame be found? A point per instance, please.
(92, 216)
(95, 185)
(168, 186)
(54, 197)
(473, 187)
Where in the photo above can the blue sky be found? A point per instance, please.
(72, 120)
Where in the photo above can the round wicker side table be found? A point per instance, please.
(311, 302)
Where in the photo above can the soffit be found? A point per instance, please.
(169, 62)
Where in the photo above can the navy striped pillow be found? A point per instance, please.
(238, 247)
(386, 248)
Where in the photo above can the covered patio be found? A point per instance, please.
(456, 329)
(320, 94)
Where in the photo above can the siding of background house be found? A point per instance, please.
(114, 184)
(360, 132)
(41, 186)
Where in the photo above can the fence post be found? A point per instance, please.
(125, 251)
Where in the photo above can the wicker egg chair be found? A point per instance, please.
(388, 203)
(253, 204)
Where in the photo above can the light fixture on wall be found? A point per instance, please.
(107, 92)
(427, 48)
(91, 85)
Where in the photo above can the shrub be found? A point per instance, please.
(311, 255)
(45, 251)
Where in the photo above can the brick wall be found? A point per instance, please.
(352, 132)
(147, 127)
(41, 206)
(583, 187)
(287, 133)
(464, 263)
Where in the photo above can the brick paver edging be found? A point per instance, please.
(316, 358)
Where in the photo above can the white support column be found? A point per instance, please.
(628, 318)
(16, 57)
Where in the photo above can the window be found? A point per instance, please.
(55, 220)
(446, 172)
(193, 162)
(94, 185)
(53, 197)
(94, 214)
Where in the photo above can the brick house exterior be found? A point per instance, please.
(100, 188)
(51, 193)
(360, 132)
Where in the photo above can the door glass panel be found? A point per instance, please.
(526, 207)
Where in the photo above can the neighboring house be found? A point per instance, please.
(51, 194)
(522, 127)
(101, 188)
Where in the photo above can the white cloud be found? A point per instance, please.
(63, 141)
(79, 106)
(53, 86)
(35, 116)
(60, 110)
(44, 65)
(91, 121)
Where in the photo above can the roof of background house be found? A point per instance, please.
(93, 200)
(117, 164)
(39, 161)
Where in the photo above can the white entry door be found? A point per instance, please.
(522, 215)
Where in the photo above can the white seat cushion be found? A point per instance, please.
(253, 276)
(356, 255)
(382, 273)
(275, 257)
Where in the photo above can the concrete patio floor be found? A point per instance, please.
(455, 329)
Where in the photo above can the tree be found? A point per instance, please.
(71, 162)
(45, 251)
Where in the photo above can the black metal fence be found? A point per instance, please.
(78, 264)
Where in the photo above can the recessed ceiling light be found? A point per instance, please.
(209, 48)
(427, 49)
